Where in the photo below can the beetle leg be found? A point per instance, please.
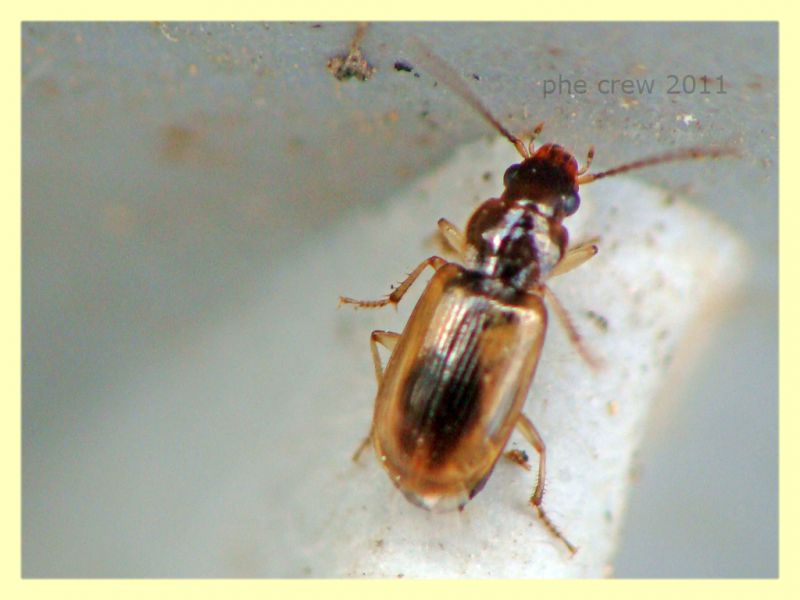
(362, 446)
(387, 339)
(455, 238)
(519, 457)
(574, 258)
(394, 297)
(588, 163)
(527, 428)
(572, 332)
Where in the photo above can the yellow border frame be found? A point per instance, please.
(416, 10)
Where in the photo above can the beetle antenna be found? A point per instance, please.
(676, 155)
(445, 73)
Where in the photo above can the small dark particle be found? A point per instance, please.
(476, 77)
(316, 26)
(599, 320)
(401, 65)
(487, 175)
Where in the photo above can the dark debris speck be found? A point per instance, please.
(401, 65)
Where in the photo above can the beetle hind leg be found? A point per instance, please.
(527, 428)
(362, 446)
(387, 339)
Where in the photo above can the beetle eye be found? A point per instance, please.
(570, 203)
(509, 175)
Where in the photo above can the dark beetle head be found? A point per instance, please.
(547, 178)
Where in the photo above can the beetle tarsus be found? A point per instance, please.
(366, 303)
(551, 527)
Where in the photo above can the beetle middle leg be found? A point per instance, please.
(527, 428)
(436, 262)
(387, 339)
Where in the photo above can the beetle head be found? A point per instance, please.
(548, 178)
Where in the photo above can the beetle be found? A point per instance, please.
(455, 384)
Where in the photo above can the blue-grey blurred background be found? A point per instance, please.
(168, 169)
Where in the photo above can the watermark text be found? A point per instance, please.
(634, 86)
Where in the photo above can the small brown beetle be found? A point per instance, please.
(458, 376)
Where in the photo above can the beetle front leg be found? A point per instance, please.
(528, 430)
(453, 236)
(575, 257)
(387, 339)
(394, 297)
